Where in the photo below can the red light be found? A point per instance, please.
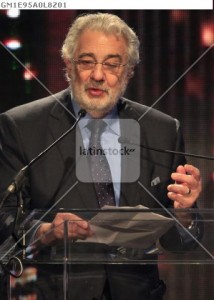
(29, 72)
(178, 16)
(207, 34)
(194, 86)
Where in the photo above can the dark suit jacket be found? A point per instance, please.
(27, 130)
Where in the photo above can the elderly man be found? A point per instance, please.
(100, 53)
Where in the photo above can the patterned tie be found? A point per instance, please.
(100, 169)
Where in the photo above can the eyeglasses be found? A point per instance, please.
(89, 64)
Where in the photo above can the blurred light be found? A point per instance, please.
(178, 16)
(207, 33)
(13, 13)
(3, 11)
(194, 86)
(29, 72)
(13, 43)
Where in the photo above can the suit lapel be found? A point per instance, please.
(131, 193)
(60, 120)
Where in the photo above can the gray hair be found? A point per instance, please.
(107, 23)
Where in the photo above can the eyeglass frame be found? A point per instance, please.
(94, 63)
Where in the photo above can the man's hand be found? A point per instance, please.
(49, 233)
(187, 187)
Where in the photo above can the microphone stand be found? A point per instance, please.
(16, 186)
(124, 140)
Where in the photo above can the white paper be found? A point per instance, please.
(134, 229)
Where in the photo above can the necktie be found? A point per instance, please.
(100, 169)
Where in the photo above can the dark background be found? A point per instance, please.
(171, 41)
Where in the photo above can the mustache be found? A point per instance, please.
(96, 85)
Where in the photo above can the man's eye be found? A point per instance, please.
(111, 65)
(86, 62)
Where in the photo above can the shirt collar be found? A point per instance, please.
(112, 118)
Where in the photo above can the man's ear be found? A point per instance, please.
(130, 72)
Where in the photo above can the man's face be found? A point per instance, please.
(97, 87)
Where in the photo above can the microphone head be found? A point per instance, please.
(82, 113)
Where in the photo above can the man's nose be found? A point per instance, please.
(98, 73)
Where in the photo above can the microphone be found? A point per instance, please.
(20, 177)
(124, 140)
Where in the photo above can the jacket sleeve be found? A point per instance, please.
(12, 160)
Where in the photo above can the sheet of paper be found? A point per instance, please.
(130, 227)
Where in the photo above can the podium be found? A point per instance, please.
(120, 236)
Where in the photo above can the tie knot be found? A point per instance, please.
(97, 126)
